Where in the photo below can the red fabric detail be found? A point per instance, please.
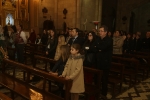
(18, 39)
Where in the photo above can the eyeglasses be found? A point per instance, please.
(90, 35)
(101, 31)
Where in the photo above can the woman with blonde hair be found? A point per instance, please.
(61, 41)
(59, 66)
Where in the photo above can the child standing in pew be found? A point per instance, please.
(59, 65)
(74, 70)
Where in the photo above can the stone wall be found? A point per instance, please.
(90, 11)
(142, 15)
(125, 8)
(78, 12)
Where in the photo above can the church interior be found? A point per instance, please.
(130, 17)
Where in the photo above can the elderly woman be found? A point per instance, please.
(118, 41)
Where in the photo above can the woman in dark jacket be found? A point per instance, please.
(127, 44)
(32, 37)
(89, 48)
(51, 46)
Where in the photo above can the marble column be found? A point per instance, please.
(100, 11)
(78, 13)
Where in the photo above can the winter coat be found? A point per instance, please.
(118, 45)
(74, 69)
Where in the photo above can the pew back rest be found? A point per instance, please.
(29, 72)
(142, 53)
(39, 48)
(96, 74)
(138, 57)
(45, 60)
(117, 70)
(129, 63)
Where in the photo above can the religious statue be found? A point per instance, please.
(8, 20)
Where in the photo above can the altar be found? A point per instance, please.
(14, 12)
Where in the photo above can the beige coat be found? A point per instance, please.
(74, 69)
(118, 44)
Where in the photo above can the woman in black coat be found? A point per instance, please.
(89, 48)
(51, 46)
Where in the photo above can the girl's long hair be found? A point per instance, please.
(65, 52)
(62, 38)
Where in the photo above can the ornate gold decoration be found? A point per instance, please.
(8, 5)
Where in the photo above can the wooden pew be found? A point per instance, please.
(33, 49)
(116, 77)
(4, 97)
(16, 84)
(131, 67)
(45, 60)
(29, 53)
(143, 66)
(90, 89)
(93, 89)
(38, 49)
(142, 53)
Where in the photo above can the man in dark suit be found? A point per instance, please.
(75, 38)
(104, 55)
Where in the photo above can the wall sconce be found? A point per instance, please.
(124, 18)
(65, 12)
(45, 11)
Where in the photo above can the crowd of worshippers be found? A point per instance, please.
(122, 42)
(68, 48)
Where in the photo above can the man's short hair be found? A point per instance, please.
(105, 28)
(77, 30)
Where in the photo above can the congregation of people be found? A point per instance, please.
(74, 49)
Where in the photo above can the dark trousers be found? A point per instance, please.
(105, 82)
(20, 52)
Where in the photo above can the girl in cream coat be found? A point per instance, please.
(74, 70)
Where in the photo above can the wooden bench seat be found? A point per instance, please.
(93, 89)
(90, 89)
(22, 87)
(144, 67)
(116, 77)
(4, 97)
(38, 49)
(131, 68)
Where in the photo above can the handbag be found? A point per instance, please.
(90, 57)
